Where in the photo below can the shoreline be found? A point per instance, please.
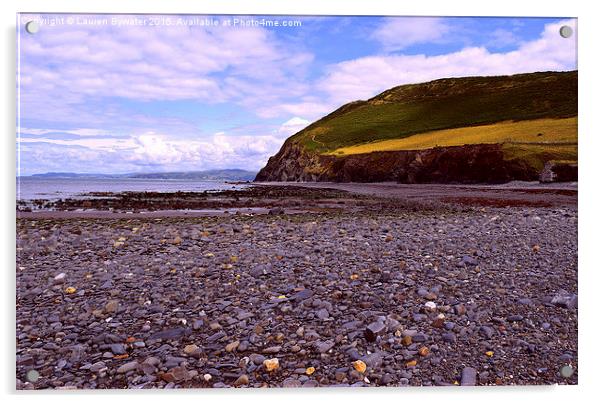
(298, 197)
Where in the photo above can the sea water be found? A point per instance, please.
(30, 188)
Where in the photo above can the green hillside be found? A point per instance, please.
(448, 103)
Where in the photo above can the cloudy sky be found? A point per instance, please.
(117, 94)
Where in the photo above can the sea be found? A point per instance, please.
(30, 188)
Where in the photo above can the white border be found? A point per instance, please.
(590, 135)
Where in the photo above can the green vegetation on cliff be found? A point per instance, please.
(443, 104)
(536, 131)
(470, 129)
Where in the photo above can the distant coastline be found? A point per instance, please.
(238, 175)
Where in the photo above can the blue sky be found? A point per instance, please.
(99, 94)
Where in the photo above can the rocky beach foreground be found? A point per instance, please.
(300, 287)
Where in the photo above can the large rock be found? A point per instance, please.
(559, 171)
(477, 163)
(565, 300)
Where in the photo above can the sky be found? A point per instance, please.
(141, 93)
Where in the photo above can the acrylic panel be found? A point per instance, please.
(222, 201)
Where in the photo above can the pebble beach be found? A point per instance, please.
(306, 288)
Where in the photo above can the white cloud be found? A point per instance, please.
(84, 132)
(367, 76)
(158, 151)
(33, 131)
(67, 67)
(217, 151)
(401, 32)
(308, 106)
(292, 126)
(502, 37)
(104, 144)
(155, 149)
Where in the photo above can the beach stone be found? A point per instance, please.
(118, 349)
(216, 336)
(419, 338)
(323, 314)
(171, 334)
(431, 296)
(323, 346)
(469, 377)
(242, 380)
(449, 337)
(487, 331)
(291, 383)
(112, 306)
(232, 346)
(127, 367)
(258, 271)
(244, 315)
(147, 368)
(192, 350)
(78, 353)
(374, 360)
(272, 350)
(460, 309)
(171, 361)
(565, 300)
(302, 295)
(98, 367)
(406, 340)
(515, 318)
(373, 330)
(59, 278)
(257, 359)
(271, 364)
(25, 360)
(181, 374)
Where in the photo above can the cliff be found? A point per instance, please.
(463, 130)
(478, 163)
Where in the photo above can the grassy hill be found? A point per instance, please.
(518, 122)
(538, 131)
(443, 104)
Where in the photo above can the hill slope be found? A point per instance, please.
(428, 119)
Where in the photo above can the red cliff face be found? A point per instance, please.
(479, 163)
